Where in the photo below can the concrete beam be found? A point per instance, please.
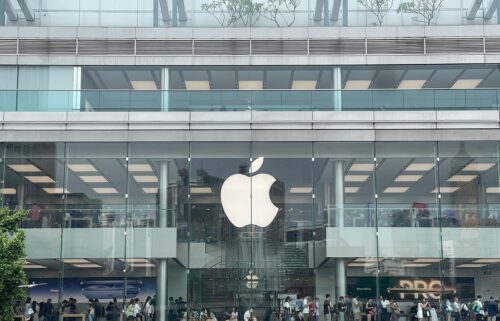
(318, 10)
(474, 7)
(10, 11)
(335, 10)
(491, 8)
(181, 10)
(26, 9)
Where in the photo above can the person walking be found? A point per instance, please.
(91, 312)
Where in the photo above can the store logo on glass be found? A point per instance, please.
(245, 198)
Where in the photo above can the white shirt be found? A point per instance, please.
(246, 316)
(149, 308)
(355, 306)
(306, 307)
(137, 309)
(384, 304)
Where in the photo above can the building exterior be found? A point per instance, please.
(365, 147)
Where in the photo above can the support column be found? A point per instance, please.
(340, 279)
(165, 78)
(345, 13)
(337, 87)
(498, 11)
(155, 13)
(328, 202)
(77, 87)
(2, 12)
(161, 266)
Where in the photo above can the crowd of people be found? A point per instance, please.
(291, 309)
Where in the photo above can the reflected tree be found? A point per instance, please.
(428, 10)
(233, 12)
(379, 8)
(281, 12)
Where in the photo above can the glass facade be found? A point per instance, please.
(202, 13)
(362, 219)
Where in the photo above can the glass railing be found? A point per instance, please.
(242, 100)
(239, 13)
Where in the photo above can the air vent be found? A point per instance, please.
(47, 46)
(404, 46)
(8, 46)
(492, 45)
(337, 46)
(454, 45)
(279, 47)
(222, 47)
(164, 47)
(106, 47)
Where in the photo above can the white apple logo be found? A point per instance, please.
(243, 195)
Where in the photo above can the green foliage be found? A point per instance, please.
(231, 12)
(11, 261)
(246, 12)
(379, 8)
(428, 10)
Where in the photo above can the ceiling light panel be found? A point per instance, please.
(415, 265)
(250, 85)
(360, 167)
(34, 266)
(408, 178)
(446, 190)
(356, 178)
(39, 179)
(142, 265)
(105, 190)
(55, 190)
(301, 190)
(135, 260)
(419, 167)
(24, 168)
(150, 190)
(76, 261)
(87, 266)
(139, 168)
(78, 168)
(395, 190)
(468, 265)
(357, 84)
(426, 260)
(466, 83)
(478, 167)
(462, 178)
(94, 179)
(351, 190)
(145, 178)
(487, 261)
(197, 85)
(366, 259)
(143, 85)
(412, 84)
(201, 190)
(8, 191)
(493, 190)
(360, 264)
(304, 84)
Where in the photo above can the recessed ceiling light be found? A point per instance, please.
(411, 84)
(493, 190)
(360, 167)
(462, 178)
(356, 178)
(139, 168)
(304, 84)
(408, 178)
(468, 265)
(250, 85)
(201, 190)
(350, 190)
(142, 265)
(301, 190)
(143, 85)
(419, 167)
(150, 190)
(34, 266)
(94, 179)
(76, 261)
(55, 190)
(478, 167)
(77, 168)
(426, 260)
(360, 264)
(105, 190)
(24, 168)
(396, 190)
(366, 259)
(87, 266)
(416, 265)
(197, 85)
(39, 179)
(145, 178)
(135, 260)
(466, 83)
(446, 190)
(357, 84)
(488, 261)
(8, 191)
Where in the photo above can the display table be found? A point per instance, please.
(66, 316)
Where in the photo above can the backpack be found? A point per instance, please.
(299, 305)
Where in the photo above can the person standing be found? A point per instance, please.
(312, 311)
(341, 309)
(48, 310)
(492, 309)
(91, 312)
(477, 308)
(148, 309)
(370, 310)
(456, 309)
(394, 308)
(286, 309)
(36, 311)
(28, 310)
(448, 310)
(384, 305)
(305, 304)
(420, 310)
(327, 308)
(356, 309)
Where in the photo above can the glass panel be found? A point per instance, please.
(409, 244)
